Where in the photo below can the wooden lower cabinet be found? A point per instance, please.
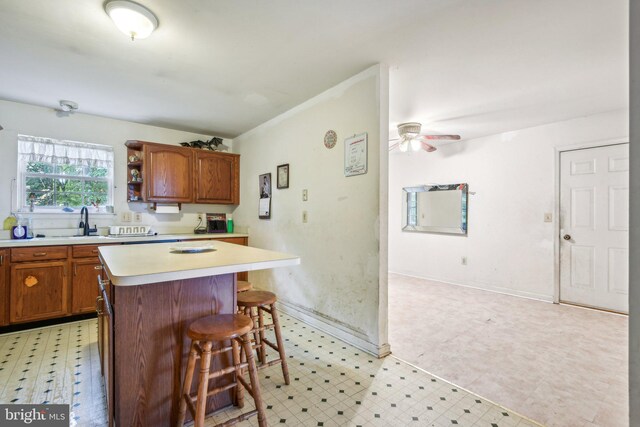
(4, 287)
(39, 290)
(46, 282)
(84, 285)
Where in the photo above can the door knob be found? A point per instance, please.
(566, 237)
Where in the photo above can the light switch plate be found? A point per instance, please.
(137, 217)
(305, 217)
(548, 217)
(125, 216)
(305, 195)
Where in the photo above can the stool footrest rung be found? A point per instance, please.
(220, 389)
(246, 386)
(226, 371)
(213, 352)
(190, 399)
(239, 418)
(270, 344)
(265, 308)
(269, 363)
(264, 328)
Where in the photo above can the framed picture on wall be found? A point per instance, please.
(264, 189)
(283, 176)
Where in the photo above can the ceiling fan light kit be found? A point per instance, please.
(410, 137)
(133, 19)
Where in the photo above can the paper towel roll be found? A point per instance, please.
(167, 209)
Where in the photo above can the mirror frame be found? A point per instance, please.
(464, 187)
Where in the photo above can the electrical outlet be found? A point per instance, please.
(305, 195)
(137, 217)
(305, 217)
(125, 216)
(548, 217)
(463, 260)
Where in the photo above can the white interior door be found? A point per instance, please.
(594, 227)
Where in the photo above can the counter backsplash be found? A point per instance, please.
(67, 224)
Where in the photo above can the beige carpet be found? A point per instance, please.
(557, 364)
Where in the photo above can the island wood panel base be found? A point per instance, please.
(151, 346)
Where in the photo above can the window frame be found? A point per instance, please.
(24, 174)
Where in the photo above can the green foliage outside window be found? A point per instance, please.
(66, 185)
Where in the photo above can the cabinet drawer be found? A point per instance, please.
(40, 253)
(85, 251)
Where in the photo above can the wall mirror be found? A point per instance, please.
(435, 208)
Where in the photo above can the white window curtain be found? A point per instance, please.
(47, 150)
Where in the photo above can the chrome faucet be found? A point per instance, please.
(84, 222)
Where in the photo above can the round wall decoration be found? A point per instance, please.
(330, 139)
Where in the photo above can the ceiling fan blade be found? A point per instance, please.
(394, 139)
(447, 137)
(394, 146)
(428, 147)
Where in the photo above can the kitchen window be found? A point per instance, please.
(55, 174)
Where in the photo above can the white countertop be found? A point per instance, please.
(96, 240)
(129, 265)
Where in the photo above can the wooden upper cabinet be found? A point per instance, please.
(175, 174)
(217, 178)
(169, 173)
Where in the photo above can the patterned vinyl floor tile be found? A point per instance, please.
(332, 383)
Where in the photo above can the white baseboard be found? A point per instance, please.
(484, 287)
(333, 329)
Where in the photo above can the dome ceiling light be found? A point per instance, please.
(133, 19)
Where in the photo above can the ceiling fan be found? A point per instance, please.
(410, 138)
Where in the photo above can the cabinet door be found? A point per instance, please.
(4, 288)
(84, 285)
(217, 178)
(38, 291)
(169, 171)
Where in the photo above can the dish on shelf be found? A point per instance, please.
(192, 248)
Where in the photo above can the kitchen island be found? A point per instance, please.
(150, 295)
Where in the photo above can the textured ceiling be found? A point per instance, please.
(474, 67)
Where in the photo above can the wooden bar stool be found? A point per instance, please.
(264, 301)
(203, 333)
(244, 286)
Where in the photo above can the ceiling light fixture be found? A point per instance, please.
(133, 19)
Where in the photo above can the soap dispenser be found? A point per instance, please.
(19, 231)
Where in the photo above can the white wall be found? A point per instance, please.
(26, 119)
(338, 285)
(634, 218)
(511, 182)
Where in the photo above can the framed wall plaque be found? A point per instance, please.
(355, 155)
(283, 176)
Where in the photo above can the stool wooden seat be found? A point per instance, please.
(203, 333)
(264, 301)
(244, 286)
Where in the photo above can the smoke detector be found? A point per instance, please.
(68, 106)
